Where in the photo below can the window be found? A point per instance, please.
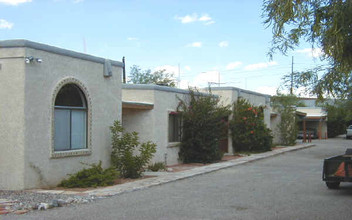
(174, 127)
(70, 117)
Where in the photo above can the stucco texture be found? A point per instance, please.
(30, 89)
(152, 125)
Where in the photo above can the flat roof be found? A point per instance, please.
(56, 50)
(313, 112)
(159, 88)
(239, 89)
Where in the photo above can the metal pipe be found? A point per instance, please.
(123, 70)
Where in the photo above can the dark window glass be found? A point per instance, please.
(70, 119)
(70, 95)
(174, 128)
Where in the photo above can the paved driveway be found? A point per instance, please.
(287, 186)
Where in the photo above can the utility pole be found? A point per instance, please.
(218, 78)
(291, 89)
(84, 45)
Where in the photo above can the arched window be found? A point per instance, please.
(70, 119)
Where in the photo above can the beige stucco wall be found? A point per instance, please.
(12, 128)
(33, 86)
(274, 123)
(152, 125)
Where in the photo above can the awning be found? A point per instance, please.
(137, 105)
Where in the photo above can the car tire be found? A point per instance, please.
(333, 185)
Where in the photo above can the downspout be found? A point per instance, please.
(123, 70)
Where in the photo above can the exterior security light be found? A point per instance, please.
(29, 59)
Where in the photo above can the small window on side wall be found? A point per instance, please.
(70, 117)
(174, 127)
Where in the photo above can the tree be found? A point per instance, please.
(202, 127)
(339, 116)
(326, 24)
(160, 77)
(285, 105)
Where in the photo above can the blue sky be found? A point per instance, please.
(204, 38)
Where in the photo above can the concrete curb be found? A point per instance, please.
(171, 177)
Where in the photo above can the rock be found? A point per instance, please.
(44, 206)
(70, 200)
(3, 212)
(20, 212)
(169, 169)
(54, 203)
(58, 202)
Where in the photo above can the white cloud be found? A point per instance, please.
(188, 18)
(188, 68)
(269, 90)
(233, 65)
(132, 38)
(205, 19)
(210, 22)
(5, 24)
(77, 1)
(203, 78)
(223, 44)
(195, 44)
(257, 66)
(14, 2)
(312, 52)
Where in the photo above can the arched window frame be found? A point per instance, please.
(72, 152)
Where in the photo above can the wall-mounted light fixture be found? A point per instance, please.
(31, 59)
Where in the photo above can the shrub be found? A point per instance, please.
(338, 118)
(248, 130)
(124, 145)
(202, 127)
(288, 129)
(157, 166)
(91, 177)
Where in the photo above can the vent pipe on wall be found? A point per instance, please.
(123, 70)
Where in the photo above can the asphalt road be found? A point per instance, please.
(288, 186)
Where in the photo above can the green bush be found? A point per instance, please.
(249, 133)
(285, 105)
(202, 127)
(338, 116)
(91, 177)
(124, 147)
(157, 166)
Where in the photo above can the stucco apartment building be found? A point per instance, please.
(56, 107)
